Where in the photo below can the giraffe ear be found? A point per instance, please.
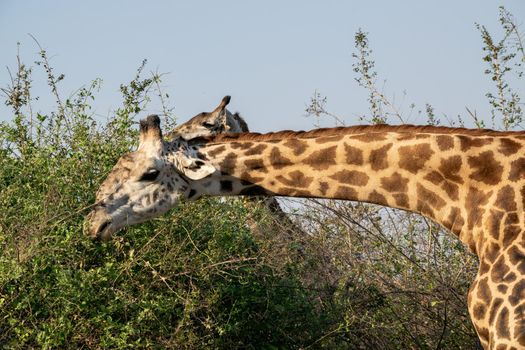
(198, 170)
(194, 168)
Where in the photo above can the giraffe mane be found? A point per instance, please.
(358, 129)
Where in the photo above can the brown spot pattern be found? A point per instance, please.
(522, 192)
(502, 288)
(296, 179)
(353, 155)
(227, 166)
(379, 157)
(494, 223)
(502, 324)
(395, 183)
(486, 168)
(216, 151)
(519, 328)
(517, 258)
(256, 150)
(297, 146)
(450, 188)
(484, 293)
(424, 208)
(256, 164)
(430, 198)
(450, 168)
(474, 204)
(500, 272)
(496, 304)
(413, 158)
(376, 197)
(508, 147)
(510, 233)
(444, 142)
(435, 177)
(492, 251)
(277, 160)
(241, 145)
(401, 200)
(518, 293)
(483, 333)
(323, 187)
(479, 311)
(505, 199)
(322, 159)
(344, 192)
(517, 170)
(411, 136)
(467, 142)
(351, 177)
(250, 179)
(454, 221)
(483, 267)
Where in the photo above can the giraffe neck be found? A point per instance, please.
(452, 176)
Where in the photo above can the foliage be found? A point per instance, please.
(196, 278)
(354, 276)
(501, 56)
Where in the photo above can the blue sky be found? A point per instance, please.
(271, 56)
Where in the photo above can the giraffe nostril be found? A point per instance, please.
(102, 227)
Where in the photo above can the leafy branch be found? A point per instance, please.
(502, 56)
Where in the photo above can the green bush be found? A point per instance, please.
(196, 278)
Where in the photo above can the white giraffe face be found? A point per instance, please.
(148, 182)
(139, 187)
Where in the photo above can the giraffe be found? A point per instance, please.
(220, 121)
(472, 182)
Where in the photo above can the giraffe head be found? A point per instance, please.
(149, 181)
(219, 121)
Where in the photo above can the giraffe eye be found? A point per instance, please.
(150, 175)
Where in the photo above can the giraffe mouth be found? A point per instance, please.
(103, 231)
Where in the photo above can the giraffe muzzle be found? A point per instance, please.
(101, 227)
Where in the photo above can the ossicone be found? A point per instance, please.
(225, 100)
(150, 128)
